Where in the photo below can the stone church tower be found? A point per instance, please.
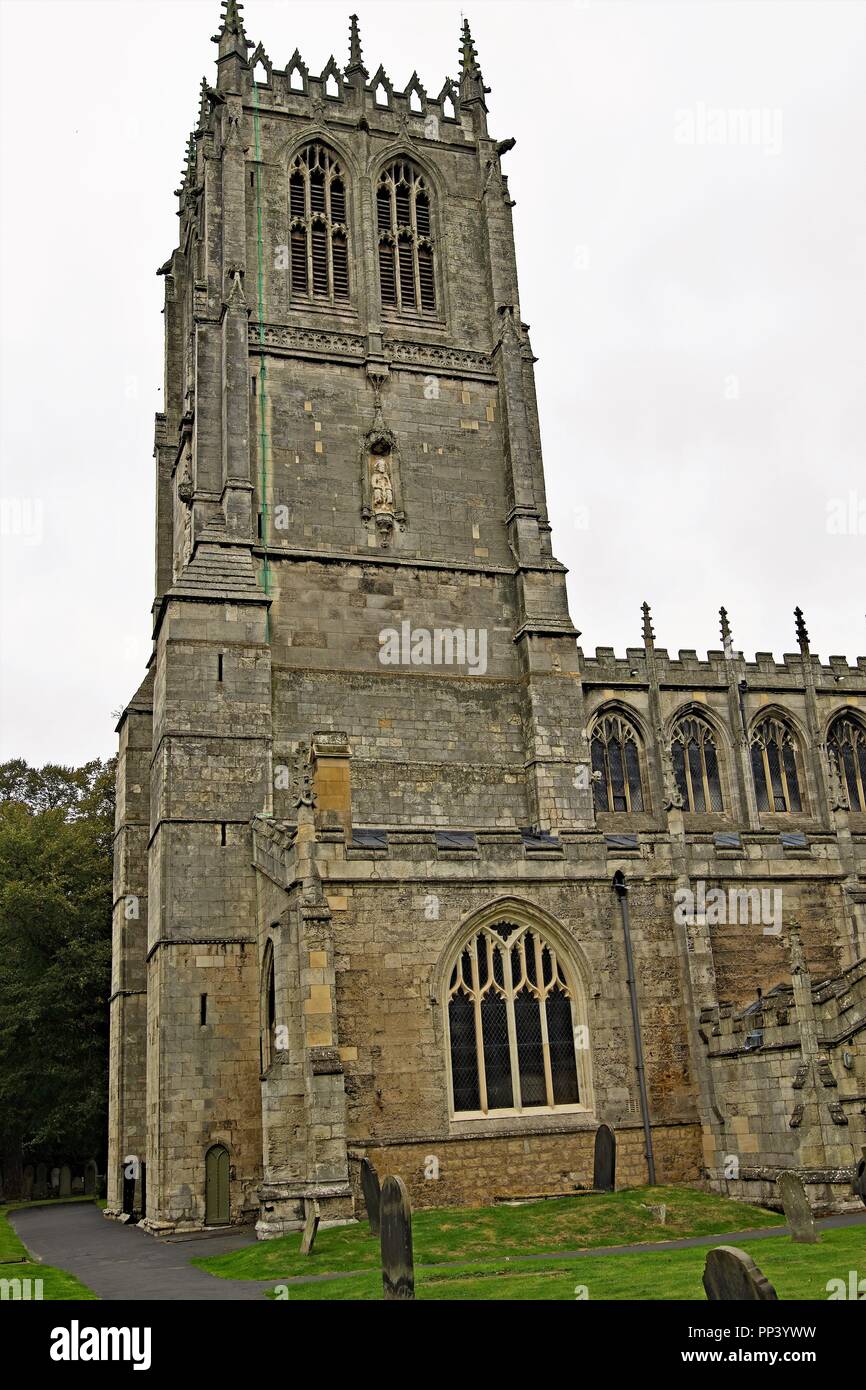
(396, 864)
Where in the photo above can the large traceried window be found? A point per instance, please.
(318, 230)
(512, 1025)
(696, 765)
(774, 766)
(407, 277)
(618, 785)
(847, 746)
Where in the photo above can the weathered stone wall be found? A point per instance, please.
(203, 1079)
(430, 745)
(128, 1008)
(796, 1099)
(478, 1172)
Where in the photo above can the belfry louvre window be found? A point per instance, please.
(774, 766)
(511, 1023)
(847, 746)
(407, 278)
(319, 236)
(616, 761)
(696, 765)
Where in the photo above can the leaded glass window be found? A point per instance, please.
(618, 785)
(512, 1025)
(696, 765)
(847, 745)
(774, 766)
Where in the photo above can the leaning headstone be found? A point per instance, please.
(395, 1218)
(65, 1181)
(27, 1181)
(40, 1185)
(798, 1212)
(55, 1181)
(90, 1178)
(604, 1166)
(658, 1211)
(311, 1226)
(730, 1275)
(372, 1194)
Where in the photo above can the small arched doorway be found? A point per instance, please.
(217, 1210)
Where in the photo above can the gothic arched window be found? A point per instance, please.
(847, 745)
(774, 766)
(318, 231)
(616, 761)
(514, 1034)
(696, 765)
(407, 277)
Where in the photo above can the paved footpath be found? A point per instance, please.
(121, 1262)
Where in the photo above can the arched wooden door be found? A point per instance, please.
(217, 1186)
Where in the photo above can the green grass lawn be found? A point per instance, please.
(796, 1271)
(489, 1233)
(15, 1262)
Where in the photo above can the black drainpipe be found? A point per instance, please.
(621, 889)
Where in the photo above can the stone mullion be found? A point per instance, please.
(416, 271)
(479, 1032)
(308, 230)
(542, 1005)
(516, 1094)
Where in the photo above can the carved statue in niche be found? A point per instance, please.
(380, 473)
(380, 481)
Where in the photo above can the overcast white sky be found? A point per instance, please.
(697, 309)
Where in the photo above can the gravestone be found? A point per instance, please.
(27, 1180)
(658, 1211)
(372, 1194)
(55, 1181)
(40, 1185)
(65, 1181)
(798, 1213)
(90, 1178)
(604, 1166)
(395, 1218)
(732, 1275)
(311, 1226)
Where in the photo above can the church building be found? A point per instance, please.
(401, 873)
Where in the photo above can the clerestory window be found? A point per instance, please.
(696, 765)
(615, 752)
(774, 766)
(847, 745)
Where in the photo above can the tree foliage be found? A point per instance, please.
(56, 827)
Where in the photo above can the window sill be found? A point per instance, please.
(393, 317)
(344, 309)
(517, 1120)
